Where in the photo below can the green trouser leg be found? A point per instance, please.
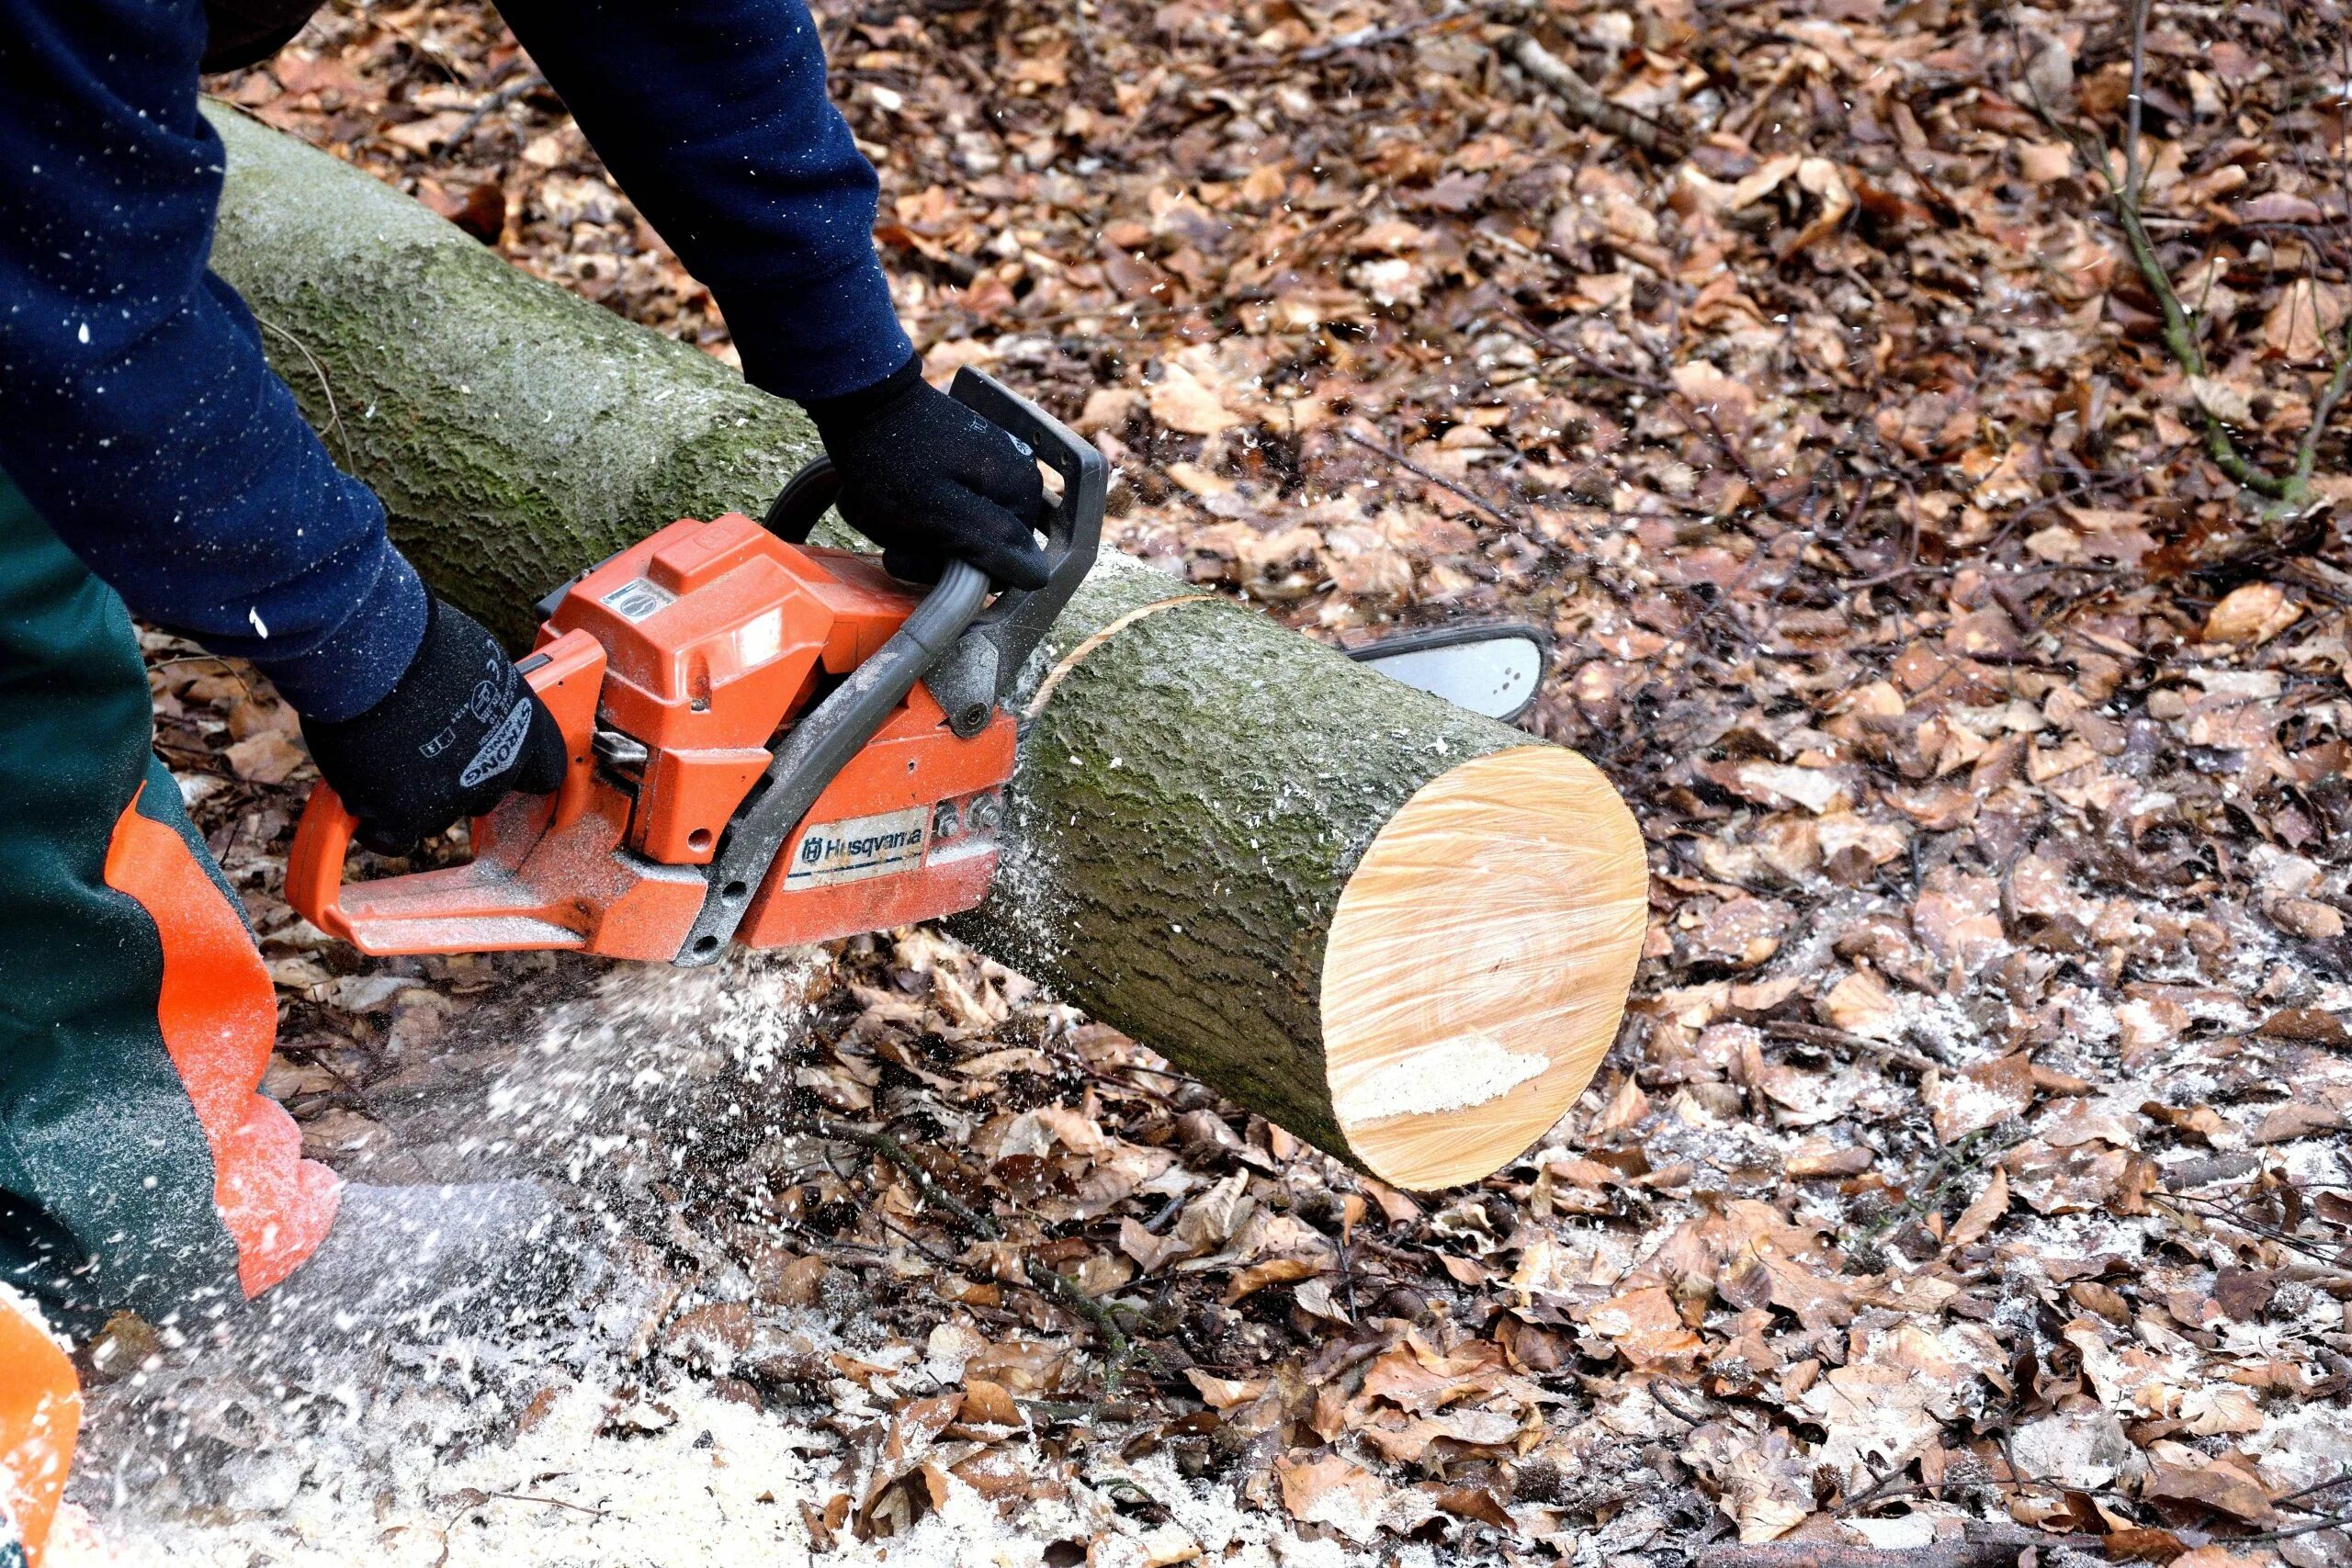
(106, 1188)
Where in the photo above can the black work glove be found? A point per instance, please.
(925, 477)
(453, 738)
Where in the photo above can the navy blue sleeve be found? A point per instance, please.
(136, 410)
(713, 115)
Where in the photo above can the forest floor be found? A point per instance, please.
(1975, 1147)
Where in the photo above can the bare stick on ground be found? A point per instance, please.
(1583, 100)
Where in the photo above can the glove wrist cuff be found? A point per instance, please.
(391, 700)
(834, 416)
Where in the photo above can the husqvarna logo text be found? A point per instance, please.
(860, 847)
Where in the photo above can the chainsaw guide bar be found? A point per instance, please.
(767, 742)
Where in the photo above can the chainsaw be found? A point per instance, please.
(767, 742)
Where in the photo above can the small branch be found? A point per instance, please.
(2133, 176)
(1649, 386)
(491, 106)
(1439, 480)
(1839, 1038)
(1116, 1346)
(2307, 450)
(2180, 341)
(972, 1221)
(1584, 102)
(1368, 38)
(549, 1502)
(335, 416)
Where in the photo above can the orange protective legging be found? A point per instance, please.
(40, 1412)
(218, 1016)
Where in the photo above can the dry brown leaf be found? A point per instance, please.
(2284, 1123)
(1979, 1097)
(1627, 1108)
(987, 1404)
(1181, 401)
(1646, 1328)
(1335, 1492)
(1151, 1253)
(266, 758)
(2252, 614)
(1984, 1212)
(2306, 323)
(1277, 1272)
(1861, 1004)
(2220, 1486)
(1224, 1393)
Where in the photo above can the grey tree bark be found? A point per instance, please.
(1203, 798)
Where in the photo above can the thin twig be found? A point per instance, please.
(1982, 1546)
(335, 416)
(1439, 480)
(491, 106)
(2136, 177)
(1372, 37)
(1059, 1286)
(550, 1502)
(2307, 450)
(1584, 101)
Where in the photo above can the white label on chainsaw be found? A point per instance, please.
(858, 848)
(640, 597)
(758, 639)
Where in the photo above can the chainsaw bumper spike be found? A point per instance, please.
(766, 742)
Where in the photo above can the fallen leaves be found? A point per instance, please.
(268, 758)
(1983, 1096)
(1992, 826)
(1333, 1491)
(2221, 1487)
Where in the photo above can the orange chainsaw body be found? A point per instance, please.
(674, 671)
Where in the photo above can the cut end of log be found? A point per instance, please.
(1478, 964)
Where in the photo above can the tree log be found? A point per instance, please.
(1401, 931)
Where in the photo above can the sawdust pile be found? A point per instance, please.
(1976, 1147)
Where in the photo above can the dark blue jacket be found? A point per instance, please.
(136, 411)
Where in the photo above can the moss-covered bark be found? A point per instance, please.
(515, 433)
(1189, 802)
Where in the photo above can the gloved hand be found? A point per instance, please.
(455, 735)
(926, 478)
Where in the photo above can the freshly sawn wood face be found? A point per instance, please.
(1397, 930)
(1478, 963)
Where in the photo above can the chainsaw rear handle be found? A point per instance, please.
(970, 678)
(566, 674)
(314, 865)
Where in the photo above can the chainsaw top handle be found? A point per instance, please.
(976, 673)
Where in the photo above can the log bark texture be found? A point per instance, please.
(1397, 930)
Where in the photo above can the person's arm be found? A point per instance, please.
(713, 115)
(138, 415)
(137, 412)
